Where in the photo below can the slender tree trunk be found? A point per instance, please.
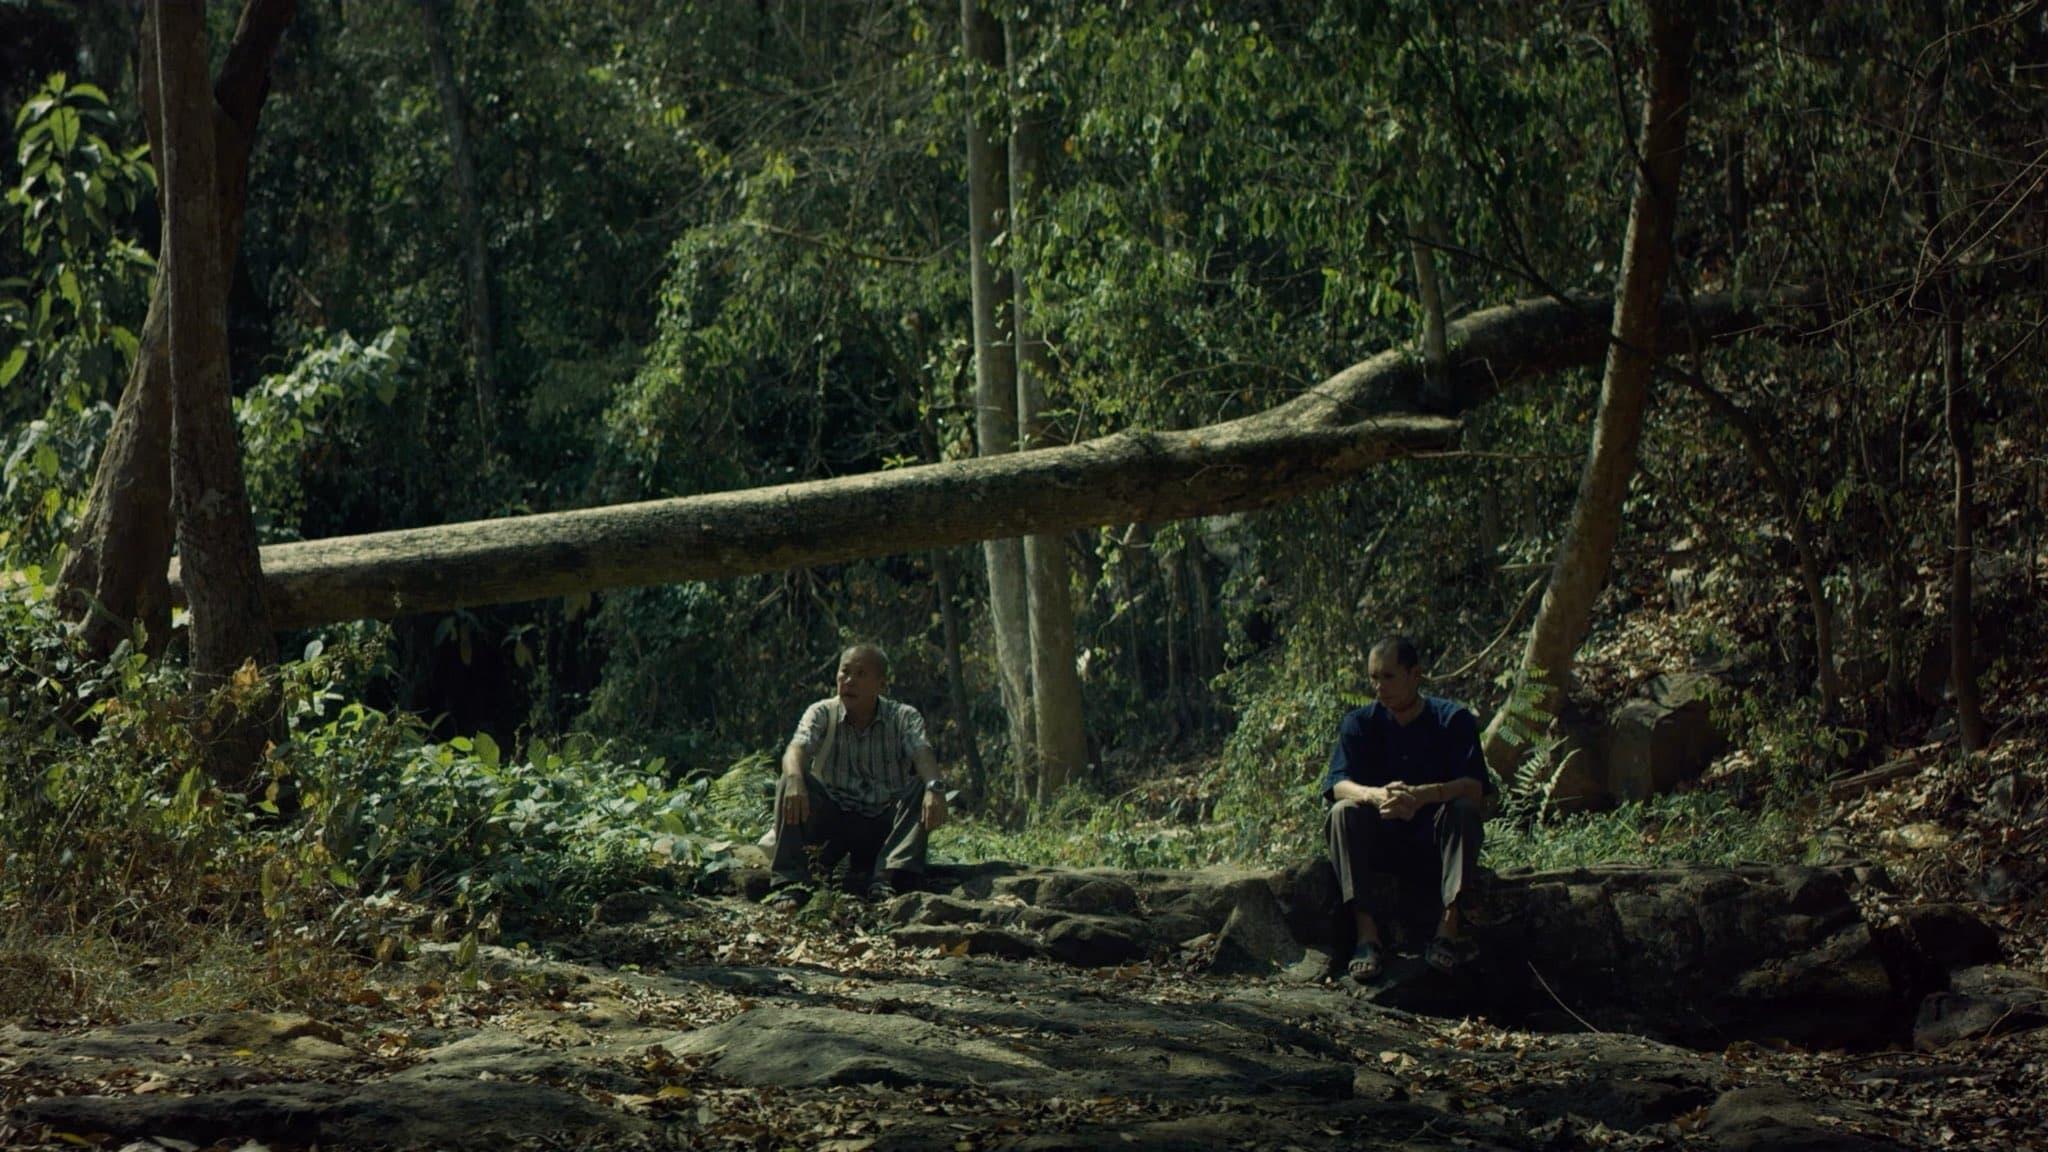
(949, 618)
(1584, 557)
(956, 679)
(1757, 441)
(1961, 611)
(1956, 414)
(995, 368)
(114, 574)
(482, 317)
(1056, 687)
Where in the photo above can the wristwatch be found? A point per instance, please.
(935, 785)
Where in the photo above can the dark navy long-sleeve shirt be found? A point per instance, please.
(1437, 747)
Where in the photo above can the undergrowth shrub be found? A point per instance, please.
(359, 836)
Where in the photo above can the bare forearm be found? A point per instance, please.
(794, 758)
(927, 764)
(1463, 788)
(1352, 790)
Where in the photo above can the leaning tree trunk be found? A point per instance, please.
(114, 575)
(476, 259)
(995, 369)
(1062, 738)
(1587, 551)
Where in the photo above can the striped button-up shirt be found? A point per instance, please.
(869, 767)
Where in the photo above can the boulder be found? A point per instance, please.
(1773, 1118)
(1697, 955)
(1980, 1001)
(1923, 943)
(1579, 782)
(1091, 942)
(1663, 740)
(1256, 939)
(970, 940)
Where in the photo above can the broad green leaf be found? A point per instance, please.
(64, 128)
(11, 367)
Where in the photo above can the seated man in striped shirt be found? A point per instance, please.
(860, 783)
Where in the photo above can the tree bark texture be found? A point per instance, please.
(1428, 287)
(114, 574)
(1585, 555)
(1332, 431)
(995, 366)
(216, 536)
(1059, 726)
(476, 260)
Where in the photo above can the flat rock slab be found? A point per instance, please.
(1699, 955)
(452, 1114)
(949, 1017)
(831, 1047)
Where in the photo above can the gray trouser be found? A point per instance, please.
(831, 833)
(1363, 842)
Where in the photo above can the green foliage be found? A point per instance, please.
(1691, 828)
(65, 338)
(1080, 829)
(304, 410)
(529, 841)
(107, 807)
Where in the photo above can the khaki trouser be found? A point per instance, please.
(897, 836)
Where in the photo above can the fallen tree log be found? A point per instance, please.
(1131, 476)
(1368, 413)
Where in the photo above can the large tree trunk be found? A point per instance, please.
(114, 574)
(995, 367)
(475, 251)
(1584, 556)
(1311, 442)
(216, 535)
(1055, 684)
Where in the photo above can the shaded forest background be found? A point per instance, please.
(516, 257)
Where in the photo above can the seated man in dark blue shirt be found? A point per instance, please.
(1405, 786)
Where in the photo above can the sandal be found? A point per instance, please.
(1365, 963)
(1445, 954)
(789, 898)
